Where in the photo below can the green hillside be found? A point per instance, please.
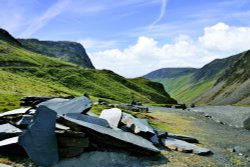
(25, 73)
(221, 82)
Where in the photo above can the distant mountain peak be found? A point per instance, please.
(5, 36)
(66, 50)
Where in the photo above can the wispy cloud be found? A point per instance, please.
(163, 11)
(96, 44)
(44, 19)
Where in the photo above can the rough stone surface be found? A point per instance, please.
(89, 119)
(113, 116)
(63, 106)
(137, 126)
(7, 131)
(183, 137)
(70, 152)
(183, 146)
(13, 140)
(161, 133)
(107, 136)
(39, 140)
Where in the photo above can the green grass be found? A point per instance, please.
(184, 89)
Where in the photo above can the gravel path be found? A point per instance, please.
(230, 145)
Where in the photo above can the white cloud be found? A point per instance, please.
(218, 41)
(48, 15)
(162, 13)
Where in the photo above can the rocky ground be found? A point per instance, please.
(230, 145)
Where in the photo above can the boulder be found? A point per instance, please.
(89, 119)
(111, 137)
(179, 145)
(183, 137)
(134, 108)
(62, 106)
(39, 140)
(139, 127)
(113, 116)
(7, 131)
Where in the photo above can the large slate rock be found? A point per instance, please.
(111, 137)
(180, 145)
(183, 137)
(10, 146)
(161, 133)
(89, 119)
(39, 140)
(15, 112)
(7, 131)
(63, 106)
(139, 127)
(113, 116)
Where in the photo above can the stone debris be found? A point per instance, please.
(137, 126)
(57, 128)
(188, 139)
(7, 131)
(113, 116)
(183, 146)
(62, 106)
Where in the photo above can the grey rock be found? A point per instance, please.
(111, 137)
(246, 123)
(39, 140)
(183, 137)
(134, 108)
(24, 121)
(155, 140)
(61, 127)
(7, 131)
(72, 139)
(113, 116)
(183, 146)
(139, 127)
(89, 119)
(63, 106)
(15, 112)
(161, 133)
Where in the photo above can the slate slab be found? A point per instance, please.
(183, 137)
(182, 146)
(39, 140)
(7, 131)
(89, 119)
(139, 127)
(113, 116)
(111, 137)
(15, 112)
(62, 106)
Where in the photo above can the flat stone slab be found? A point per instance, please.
(15, 112)
(89, 119)
(7, 131)
(62, 106)
(139, 127)
(13, 140)
(39, 140)
(183, 137)
(116, 138)
(113, 116)
(182, 146)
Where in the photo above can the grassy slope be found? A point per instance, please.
(24, 73)
(184, 89)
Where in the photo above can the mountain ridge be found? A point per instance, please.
(220, 82)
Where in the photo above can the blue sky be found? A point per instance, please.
(134, 37)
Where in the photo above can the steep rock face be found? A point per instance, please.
(169, 73)
(5, 36)
(69, 51)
